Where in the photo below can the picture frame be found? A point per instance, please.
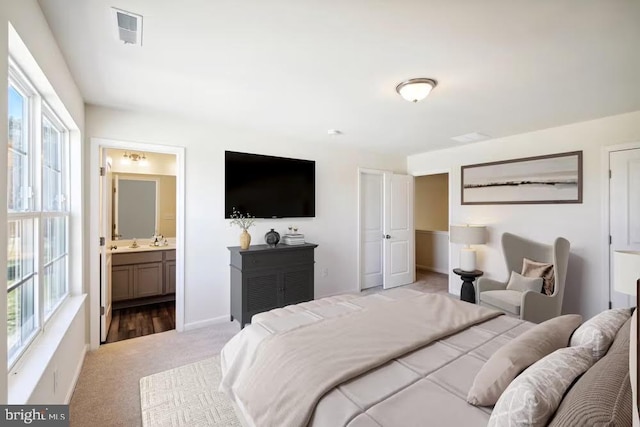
(548, 179)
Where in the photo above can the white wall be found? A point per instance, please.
(207, 232)
(586, 291)
(27, 19)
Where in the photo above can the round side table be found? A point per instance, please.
(468, 291)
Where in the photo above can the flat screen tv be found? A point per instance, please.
(269, 187)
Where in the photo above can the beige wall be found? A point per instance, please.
(166, 215)
(432, 202)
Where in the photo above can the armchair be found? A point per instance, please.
(532, 306)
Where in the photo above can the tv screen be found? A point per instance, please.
(269, 187)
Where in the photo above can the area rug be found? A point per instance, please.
(186, 396)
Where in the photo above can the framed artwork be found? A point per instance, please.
(554, 178)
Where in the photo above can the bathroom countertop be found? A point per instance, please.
(122, 249)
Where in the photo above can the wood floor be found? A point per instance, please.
(143, 320)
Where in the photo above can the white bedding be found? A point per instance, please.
(425, 387)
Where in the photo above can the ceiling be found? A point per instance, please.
(298, 68)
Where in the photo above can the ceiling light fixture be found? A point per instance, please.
(135, 157)
(414, 90)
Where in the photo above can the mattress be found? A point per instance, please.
(427, 387)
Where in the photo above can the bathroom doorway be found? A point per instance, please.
(141, 249)
(137, 277)
(431, 213)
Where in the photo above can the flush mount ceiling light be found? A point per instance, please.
(414, 90)
(134, 157)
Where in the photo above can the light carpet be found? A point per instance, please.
(186, 396)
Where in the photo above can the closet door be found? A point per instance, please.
(399, 252)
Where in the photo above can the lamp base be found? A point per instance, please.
(467, 259)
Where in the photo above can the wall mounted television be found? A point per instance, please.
(269, 187)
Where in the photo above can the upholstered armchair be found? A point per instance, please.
(529, 305)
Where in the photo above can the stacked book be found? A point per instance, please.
(293, 239)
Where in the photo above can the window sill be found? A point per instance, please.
(29, 369)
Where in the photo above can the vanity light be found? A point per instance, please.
(135, 157)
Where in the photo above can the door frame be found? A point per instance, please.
(98, 144)
(606, 220)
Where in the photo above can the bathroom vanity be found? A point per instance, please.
(143, 275)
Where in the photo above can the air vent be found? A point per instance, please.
(129, 26)
(471, 137)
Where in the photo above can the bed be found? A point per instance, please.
(423, 384)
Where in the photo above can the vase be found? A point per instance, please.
(245, 239)
(272, 238)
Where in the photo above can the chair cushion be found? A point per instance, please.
(518, 282)
(531, 268)
(506, 300)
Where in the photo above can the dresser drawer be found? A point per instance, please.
(265, 259)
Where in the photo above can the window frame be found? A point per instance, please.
(37, 111)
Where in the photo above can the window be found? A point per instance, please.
(38, 214)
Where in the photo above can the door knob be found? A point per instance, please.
(386, 236)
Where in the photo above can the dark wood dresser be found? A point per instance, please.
(264, 278)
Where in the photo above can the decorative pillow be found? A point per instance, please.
(533, 397)
(545, 270)
(598, 332)
(511, 359)
(602, 396)
(518, 282)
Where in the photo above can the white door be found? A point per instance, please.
(624, 211)
(399, 253)
(371, 228)
(106, 191)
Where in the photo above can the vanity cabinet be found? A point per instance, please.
(264, 278)
(143, 276)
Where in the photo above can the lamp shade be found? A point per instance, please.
(468, 234)
(626, 271)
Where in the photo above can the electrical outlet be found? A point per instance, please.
(324, 272)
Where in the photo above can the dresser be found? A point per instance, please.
(264, 278)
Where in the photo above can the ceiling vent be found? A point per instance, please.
(471, 137)
(129, 26)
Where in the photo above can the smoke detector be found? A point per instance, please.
(128, 26)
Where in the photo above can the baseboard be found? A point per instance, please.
(76, 375)
(207, 322)
(436, 270)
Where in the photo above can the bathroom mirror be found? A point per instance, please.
(135, 207)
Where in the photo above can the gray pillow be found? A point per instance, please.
(514, 357)
(518, 282)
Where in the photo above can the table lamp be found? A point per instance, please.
(468, 235)
(626, 279)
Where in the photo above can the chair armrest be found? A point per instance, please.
(484, 284)
(537, 307)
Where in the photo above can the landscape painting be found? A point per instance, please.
(555, 178)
